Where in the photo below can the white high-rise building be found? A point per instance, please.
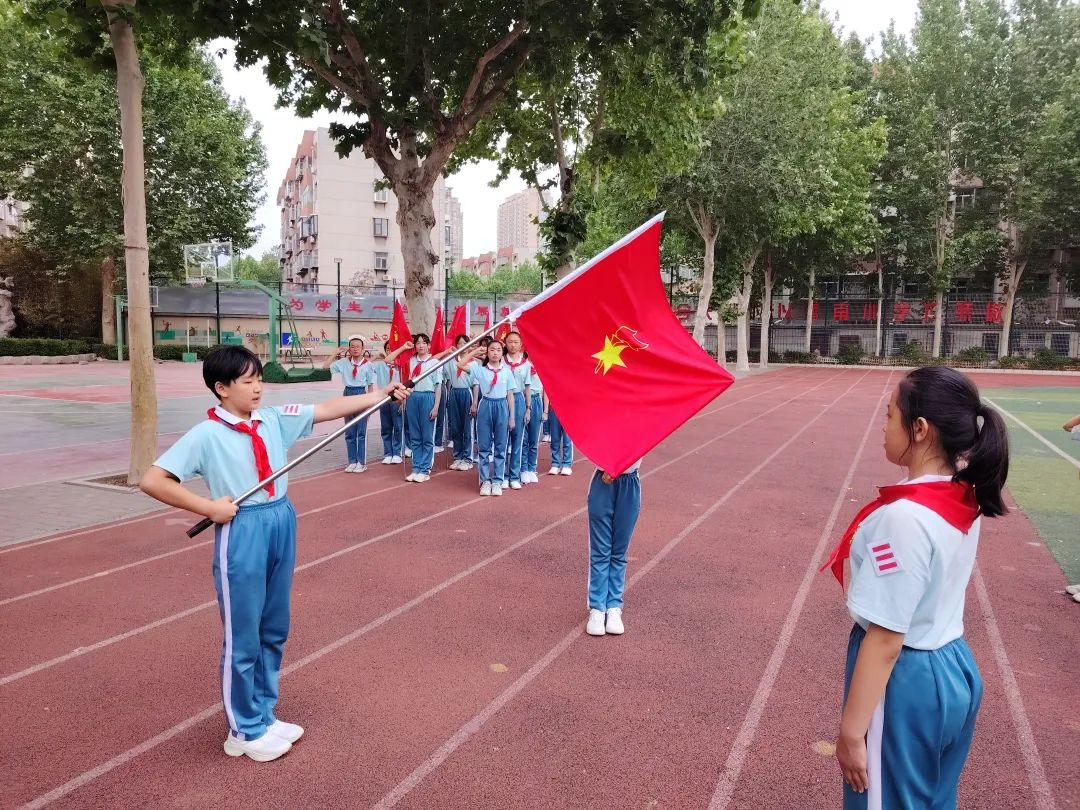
(331, 209)
(11, 212)
(518, 226)
(454, 231)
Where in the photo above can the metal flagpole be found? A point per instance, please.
(206, 523)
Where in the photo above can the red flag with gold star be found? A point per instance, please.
(622, 373)
(438, 335)
(399, 336)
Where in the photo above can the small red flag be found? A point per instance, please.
(458, 326)
(503, 331)
(399, 336)
(633, 373)
(438, 335)
(487, 319)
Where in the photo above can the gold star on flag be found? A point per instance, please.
(610, 355)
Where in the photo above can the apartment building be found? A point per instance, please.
(518, 224)
(11, 212)
(332, 208)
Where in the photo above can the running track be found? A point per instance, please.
(438, 659)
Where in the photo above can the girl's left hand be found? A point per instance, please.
(851, 754)
(433, 415)
(607, 479)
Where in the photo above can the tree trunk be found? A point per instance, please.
(809, 311)
(707, 231)
(766, 311)
(721, 338)
(1016, 272)
(939, 299)
(880, 305)
(108, 304)
(742, 329)
(416, 218)
(129, 90)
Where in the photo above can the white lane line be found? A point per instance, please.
(1072, 460)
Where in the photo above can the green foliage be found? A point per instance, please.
(1047, 360)
(276, 373)
(50, 300)
(525, 278)
(60, 147)
(850, 354)
(44, 347)
(912, 353)
(266, 269)
(798, 357)
(163, 351)
(973, 356)
(1011, 361)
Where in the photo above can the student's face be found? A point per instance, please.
(898, 444)
(461, 341)
(244, 393)
(422, 347)
(513, 344)
(494, 352)
(356, 349)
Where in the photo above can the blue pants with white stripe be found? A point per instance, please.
(461, 423)
(517, 439)
(356, 436)
(562, 449)
(920, 733)
(492, 421)
(613, 513)
(531, 454)
(254, 555)
(392, 427)
(420, 430)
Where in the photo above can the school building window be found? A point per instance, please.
(991, 341)
(382, 194)
(309, 226)
(382, 261)
(382, 226)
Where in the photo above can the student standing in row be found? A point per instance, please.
(521, 368)
(492, 405)
(391, 417)
(355, 372)
(422, 409)
(562, 449)
(912, 689)
(537, 417)
(461, 423)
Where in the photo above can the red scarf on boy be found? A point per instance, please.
(258, 447)
(953, 501)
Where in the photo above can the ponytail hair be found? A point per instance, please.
(950, 402)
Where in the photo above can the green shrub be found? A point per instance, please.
(43, 347)
(798, 357)
(850, 355)
(1047, 359)
(1012, 362)
(165, 351)
(275, 373)
(974, 355)
(911, 354)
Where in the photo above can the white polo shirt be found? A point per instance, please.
(910, 570)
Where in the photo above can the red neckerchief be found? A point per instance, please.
(512, 364)
(953, 501)
(258, 446)
(494, 377)
(417, 369)
(356, 366)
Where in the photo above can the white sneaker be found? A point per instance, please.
(566, 471)
(485, 488)
(496, 489)
(358, 468)
(595, 627)
(450, 445)
(396, 460)
(407, 453)
(350, 468)
(268, 747)
(421, 478)
(532, 478)
(411, 477)
(614, 621)
(388, 460)
(515, 485)
(547, 438)
(1072, 590)
(553, 471)
(286, 731)
(438, 448)
(505, 484)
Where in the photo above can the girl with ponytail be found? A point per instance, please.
(911, 688)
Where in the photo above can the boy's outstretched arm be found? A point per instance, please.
(341, 407)
(161, 486)
(1074, 422)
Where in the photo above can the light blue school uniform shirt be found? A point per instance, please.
(344, 368)
(465, 378)
(910, 570)
(225, 458)
(522, 373)
(492, 385)
(382, 373)
(428, 383)
(535, 385)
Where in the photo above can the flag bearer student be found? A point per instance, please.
(518, 361)
(422, 409)
(391, 419)
(355, 372)
(493, 406)
(255, 545)
(911, 687)
(614, 506)
(562, 449)
(461, 423)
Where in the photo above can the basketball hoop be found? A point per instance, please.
(208, 262)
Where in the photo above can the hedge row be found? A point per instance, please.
(162, 352)
(43, 347)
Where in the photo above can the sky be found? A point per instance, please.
(282, 130)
